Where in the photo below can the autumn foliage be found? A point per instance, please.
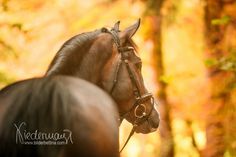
(188, 48)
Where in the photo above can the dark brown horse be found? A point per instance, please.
(109, 59)
(83, 115)
(105, 58)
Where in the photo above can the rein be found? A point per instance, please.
(140, 99)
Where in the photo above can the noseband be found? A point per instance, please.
(140, 99)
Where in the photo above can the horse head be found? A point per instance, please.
(123, 79)
(109, 59)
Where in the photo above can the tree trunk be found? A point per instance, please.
(154, 18)
(220, 33)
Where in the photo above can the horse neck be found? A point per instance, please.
(92, 66)
(85, 63)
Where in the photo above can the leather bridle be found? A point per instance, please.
(140, 99)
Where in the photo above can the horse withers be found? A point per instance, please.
(57, 116)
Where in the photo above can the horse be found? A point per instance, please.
(109, 59)
(77, 117)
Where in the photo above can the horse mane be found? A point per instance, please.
(75, 46)
(78, 40)
(72, 52)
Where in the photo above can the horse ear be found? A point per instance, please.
(131, 30)
(116, 26)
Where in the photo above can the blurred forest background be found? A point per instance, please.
(188, 48)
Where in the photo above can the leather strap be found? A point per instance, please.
(130, 135)
(139, 97)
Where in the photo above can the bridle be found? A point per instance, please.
(140, 99)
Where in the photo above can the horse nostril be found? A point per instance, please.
(155, 122)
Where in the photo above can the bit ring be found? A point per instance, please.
(142, 107)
